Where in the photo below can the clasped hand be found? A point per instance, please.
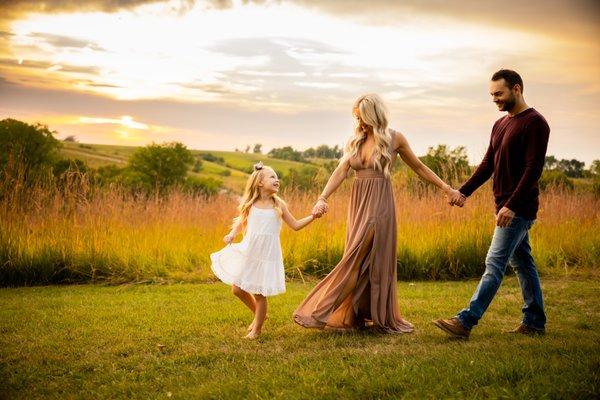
(320, 208)
(455, 198)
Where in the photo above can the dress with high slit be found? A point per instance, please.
(361, 290)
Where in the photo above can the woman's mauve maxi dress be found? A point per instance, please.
(361, 289)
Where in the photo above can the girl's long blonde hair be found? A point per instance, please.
(371, 110)
(252, 193)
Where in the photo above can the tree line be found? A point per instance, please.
(29, 153)
(289, 153)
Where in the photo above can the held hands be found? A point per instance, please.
(455, 198)
(320, 208)
(504, 217)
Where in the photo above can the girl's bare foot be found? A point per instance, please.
(252, 335)
(251, 326)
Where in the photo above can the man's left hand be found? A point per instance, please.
(504, 217)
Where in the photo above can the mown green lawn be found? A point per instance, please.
(184, 341)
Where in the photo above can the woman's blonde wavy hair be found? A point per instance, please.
(252, 193)
(371, 110)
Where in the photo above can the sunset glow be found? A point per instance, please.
(273, 72)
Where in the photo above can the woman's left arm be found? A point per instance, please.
(409, 157)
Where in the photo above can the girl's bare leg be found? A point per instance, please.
(259, 316)
(245, 297)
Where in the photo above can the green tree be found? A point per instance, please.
(108, 174)
(212, 158)
(323, 151)
(286, 153)
(202, 186)
(572, 168)
(66, 165)
(257, 148)
(595, 168)
(26, 149)
(197, 165)
(595, 172)
(551, 163)
(449, 164)
(309, 153)
(555, 179)
(161, 166)
(304, 178)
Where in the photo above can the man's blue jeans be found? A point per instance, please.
(508, 244)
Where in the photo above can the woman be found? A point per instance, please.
(361, 290)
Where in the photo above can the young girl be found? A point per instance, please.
(254, 267)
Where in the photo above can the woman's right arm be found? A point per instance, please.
(335, 180)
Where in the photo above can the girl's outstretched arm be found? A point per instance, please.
(235, 230)
(295, 224)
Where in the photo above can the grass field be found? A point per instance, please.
(119, 238)
(184, 342)
(182, 338)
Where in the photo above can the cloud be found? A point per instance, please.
(90, 83)
(17, 9)
(125, 120)
(46, 6)
(575, 18)
(60, 41)
(44, 65)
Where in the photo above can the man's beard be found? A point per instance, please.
(509, 104)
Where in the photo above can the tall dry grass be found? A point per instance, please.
(74, 232)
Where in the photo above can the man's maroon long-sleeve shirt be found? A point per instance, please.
(515, 157)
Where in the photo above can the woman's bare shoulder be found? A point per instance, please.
(398, 139)
(348, 143)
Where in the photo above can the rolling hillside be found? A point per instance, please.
(232, 172)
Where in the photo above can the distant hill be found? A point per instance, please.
(233, 171)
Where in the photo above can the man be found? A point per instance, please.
(515, 157)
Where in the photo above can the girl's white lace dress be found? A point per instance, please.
(255, 264)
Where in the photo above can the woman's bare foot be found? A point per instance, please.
(252, 335)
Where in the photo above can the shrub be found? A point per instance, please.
(161, 166)
(26, 149)
(203, 186)
(212, 158)
(555, 179)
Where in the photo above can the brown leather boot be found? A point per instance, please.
(453, 327)
(527, 330)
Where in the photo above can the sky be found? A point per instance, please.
(220, 75)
